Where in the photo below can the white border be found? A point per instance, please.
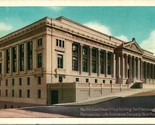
(77, 3)
(77, 121)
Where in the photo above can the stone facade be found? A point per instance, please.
(43, 59)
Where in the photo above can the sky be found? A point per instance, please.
(124, 23)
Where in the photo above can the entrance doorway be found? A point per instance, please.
(54, 96)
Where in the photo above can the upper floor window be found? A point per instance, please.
(30, 55)
(28, 80)
(60, 43)
(7, 60)
(60, 61)
(39, 80)
(39, 60)
(94, 60)
(39, 42)
(13, 82)
(20, 81)
(14, 59)
(85, 60)
(110, 63)
(21, 57)
(75, 57)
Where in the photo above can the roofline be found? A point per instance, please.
(89, 28)
(24, 27)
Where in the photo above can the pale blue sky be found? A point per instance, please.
(120, 22)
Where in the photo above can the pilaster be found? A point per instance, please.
(98, 62)
(81, 58)
(90, 60)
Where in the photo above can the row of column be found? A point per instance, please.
(128, 66)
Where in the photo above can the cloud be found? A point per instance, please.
(149, 43)
(55, 8)
(104, 29)
(122, 37)
(5, 27)
(99, 27)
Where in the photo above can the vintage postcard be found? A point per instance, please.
(70, 62)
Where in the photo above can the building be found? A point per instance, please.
(59, 60)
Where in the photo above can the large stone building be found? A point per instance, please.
(59, 60)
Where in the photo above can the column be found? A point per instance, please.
(3, 62)
(90, 60)
(122, 68)
(118, 66)
(146, 68)
(98, 62)
(130, 67)
(35, 54)
(10, 60)
(139, 68)
(17, 57)
(134, 67)
(81, 57)
(142, 72)
(126, 66)
(25, 57)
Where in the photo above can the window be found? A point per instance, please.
(77, 79)
(39, 93)
(7, 61)
(6, 93)
(21, 57)
(40, 60)
(28, 93)
(13, 82)
(75, 57)
(57, 42)
(60, 61)
(30, 55)
(95, 80)
(39, 80)
(94, 60)
(20, 81)
(110, 81)
(28, 80)
(39, 42)
(20, 93)
(102, 61)
(6, 82)
(14, 59)
(0, 68)
(103, 81)
(87, 80)
(85, 58)
(109, 63)
(12, 93)
(60, 79)
(60, 43)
